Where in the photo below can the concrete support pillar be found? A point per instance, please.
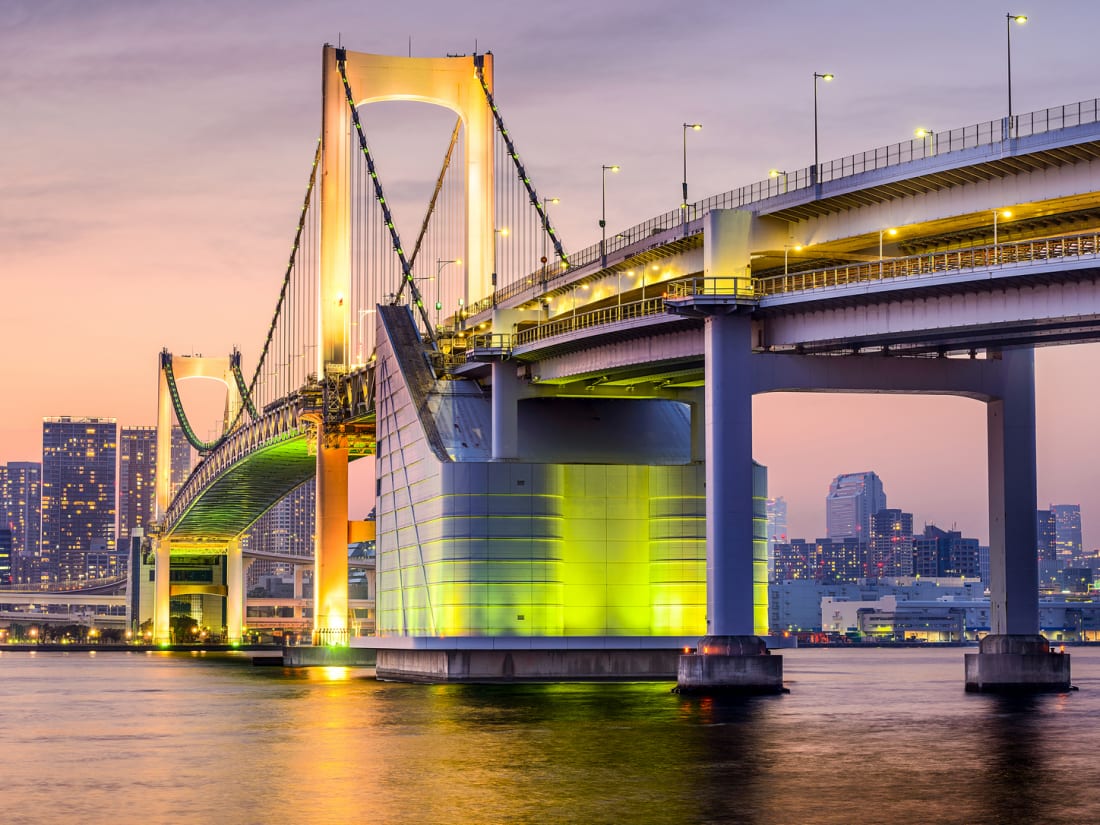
(162, 592)
(299, 570)
(234, 592)
(728, 428)
(330, 571)
(507, 389)
(1013, 567)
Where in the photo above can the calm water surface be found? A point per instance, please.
(864, 736)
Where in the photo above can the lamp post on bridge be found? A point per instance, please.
(929, 138)
(439, 264)
(1004, 213)
(695, 127)
(603, 211)
(779, 173)
(826, 76)
(891, 232)
(1019, 19)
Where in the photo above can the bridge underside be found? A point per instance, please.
(242, 494)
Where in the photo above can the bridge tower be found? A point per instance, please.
(449, 82)
(183, 368)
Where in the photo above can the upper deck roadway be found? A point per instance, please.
(982, 237)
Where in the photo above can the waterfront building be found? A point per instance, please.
(5, 555)
(288, 528)
(793, 560)
(21, 513)
(940, 552)
(137, 464)
(852, 499)
(839, 560)
(78, 495)
(891, 548)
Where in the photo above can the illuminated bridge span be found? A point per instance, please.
(553, 432)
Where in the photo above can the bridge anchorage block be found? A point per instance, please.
(1017, 664)
(730, 665)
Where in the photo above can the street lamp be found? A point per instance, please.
(826, 76)
(1004, 213)
(779, 173)
(439, 264)
(695, 127)
(1019, 19)
(546, 202)
(603, 212)
(787, 248)
(929, 138)
(891, 233)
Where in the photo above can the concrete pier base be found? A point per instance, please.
(730, 664)
(1016, 664)
(482, 666)
(322, 656)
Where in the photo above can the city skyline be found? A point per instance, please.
(167, 222)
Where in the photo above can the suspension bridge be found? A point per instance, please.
(562, 441)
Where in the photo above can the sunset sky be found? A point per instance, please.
(153, 157)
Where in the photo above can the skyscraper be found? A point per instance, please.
(21, 512)
(1067, 533)
(1047, 535)
(183, 458)
(891, 551)
(137, 462)
(777, 528)
(78, 495)
(288, 528)
(853, 498)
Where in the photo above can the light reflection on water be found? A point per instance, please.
(864, 736)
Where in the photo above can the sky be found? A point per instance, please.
(154, 153)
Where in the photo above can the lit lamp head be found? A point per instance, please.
(1020, 19)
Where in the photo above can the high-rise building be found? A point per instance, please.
(891, 551)
(78, 496)
(1067, 533)
(853, 498)
(777, 528)
(946, 553)
(793, 560)
(1047, 545)
(21, 512)
(287, 528)
(183, 459)
(5, 555)
(137, 464)
(839, 560)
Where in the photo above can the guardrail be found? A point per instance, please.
(913, 266)
(934, 263)
(934, 144)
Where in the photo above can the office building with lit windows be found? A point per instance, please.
(79, 457)
(21, 512)
(852, 500)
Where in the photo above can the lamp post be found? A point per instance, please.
(546, 202)
(786, 249)
(929, 139)
(779, 173)
(439, 264)
(891, 233)
(1019, 19)
(1005, 213)
(826, 76)
(695, 127)
(603, 211)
